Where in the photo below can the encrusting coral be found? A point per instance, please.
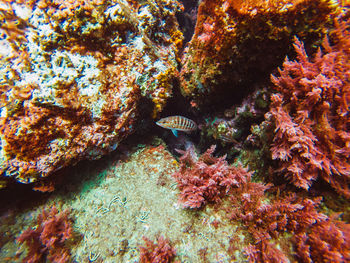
(49, 239)
(311, 114)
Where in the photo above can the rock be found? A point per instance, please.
(74, 74)
(237, 44)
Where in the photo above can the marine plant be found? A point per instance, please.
(203, 179)
(310, 112)
(317, 237)
(327, 241)
(160, 252)
(49, 238)
(236, 44)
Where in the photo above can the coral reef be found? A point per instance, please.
(161, 251)
(73, 75)
(49, 239)
(310, 114)
(237, 44)
(206, 178)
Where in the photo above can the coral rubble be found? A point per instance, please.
(237, 44)
(73, 75)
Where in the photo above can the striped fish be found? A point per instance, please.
(177, 123)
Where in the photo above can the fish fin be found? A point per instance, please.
(174, 132)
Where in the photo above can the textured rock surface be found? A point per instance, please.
(237, 44)
(73, 74)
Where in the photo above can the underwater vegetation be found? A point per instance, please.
(160, 252)
(237, 44)
(49, 239)
(259, 171)
(206, 178)
(311, 114)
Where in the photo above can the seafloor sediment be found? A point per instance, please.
(117, 203)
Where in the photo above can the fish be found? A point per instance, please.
(177, 123)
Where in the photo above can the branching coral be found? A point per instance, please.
(49, 239)
(311, 114)
(160, 252)
(206, 178)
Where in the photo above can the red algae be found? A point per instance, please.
(49, 239)
(161, 251)
(311, 115)
(237, 44)
(79, 77)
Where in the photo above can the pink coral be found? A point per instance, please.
(206, 178)
(160, 252)
(49, 238)
(311, 114)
